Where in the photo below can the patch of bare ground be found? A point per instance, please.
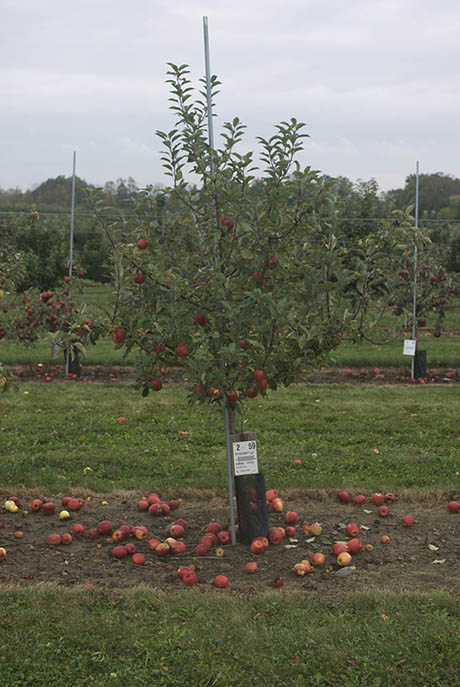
(421, 558)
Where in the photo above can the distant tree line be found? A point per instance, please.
(37, 221)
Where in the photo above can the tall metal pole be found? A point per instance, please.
(414, 303)
(72, 224)
(211, 166)
(72, 215)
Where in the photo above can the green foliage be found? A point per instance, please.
(238, 282)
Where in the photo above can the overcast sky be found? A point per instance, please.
(376, 81)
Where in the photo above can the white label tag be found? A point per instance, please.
(409, 346)
(245, 457)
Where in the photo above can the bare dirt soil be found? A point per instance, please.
(420, 558)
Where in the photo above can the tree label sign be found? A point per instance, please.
(409, 346)
(245, 458)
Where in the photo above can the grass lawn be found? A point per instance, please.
(371, 437)
(78, 637)
(391, 437)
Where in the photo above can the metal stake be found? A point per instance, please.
(414, 302)
(211, 167)
(72, 223)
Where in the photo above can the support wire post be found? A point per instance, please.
(211, 166)
(414, 302)
(72, 224)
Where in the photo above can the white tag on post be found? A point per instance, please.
(245, 458)
(409, 346)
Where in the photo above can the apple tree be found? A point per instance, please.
(242, 290)
(385, 270)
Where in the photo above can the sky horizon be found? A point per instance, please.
(376, 83)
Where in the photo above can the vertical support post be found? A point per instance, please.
(72, 216)
(72, 224)
(414, 302)
(222, 364)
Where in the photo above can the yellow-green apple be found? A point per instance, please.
(64, 515)
(315, 529)
(344, 558)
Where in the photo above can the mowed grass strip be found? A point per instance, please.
(56, 436)
(56, 636)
